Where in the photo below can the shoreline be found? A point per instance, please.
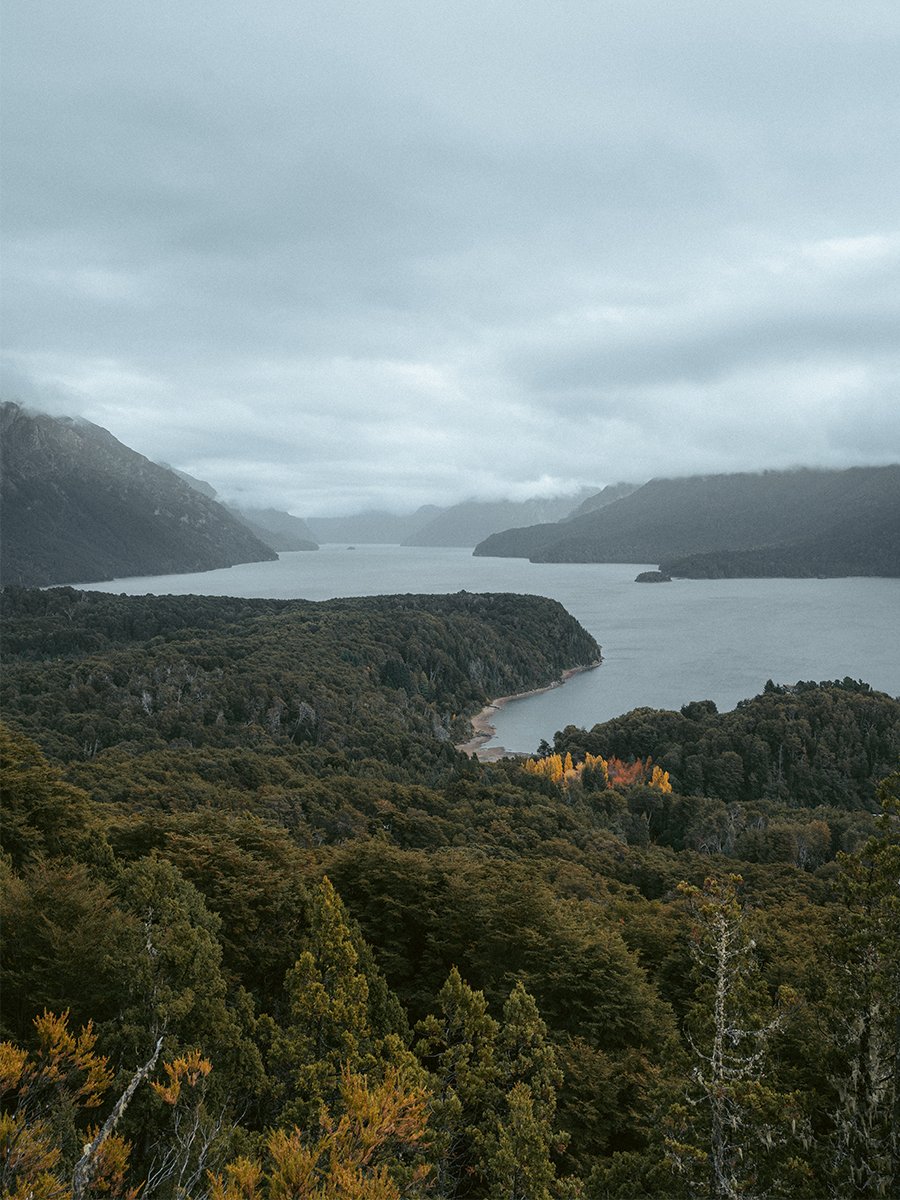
(483, 728)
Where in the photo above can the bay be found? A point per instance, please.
(663, 644)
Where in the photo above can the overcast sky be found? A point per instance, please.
(338, 255)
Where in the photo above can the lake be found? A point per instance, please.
(663, 644)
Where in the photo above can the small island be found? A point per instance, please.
(653, 577)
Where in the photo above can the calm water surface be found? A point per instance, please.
(663, 644)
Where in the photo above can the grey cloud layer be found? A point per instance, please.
(332, 254)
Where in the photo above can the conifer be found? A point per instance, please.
(519, 1144)
(329, 1030)
(458, 1046)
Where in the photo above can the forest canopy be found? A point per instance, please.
(248, 876)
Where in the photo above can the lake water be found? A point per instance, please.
(663, 644)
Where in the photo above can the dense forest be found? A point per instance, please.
(267, 933)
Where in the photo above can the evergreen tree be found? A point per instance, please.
(327, 1029)
(518, 1163)
(176, 988)
(458, 1047)
(341, 1017)
(518, 1149)
(525, 1053)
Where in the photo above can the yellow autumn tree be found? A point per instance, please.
(660, 779)
(563, 771)
(550, 767)
(46, 1096)
(611, 773)
(62, 1079)
(361, 1155)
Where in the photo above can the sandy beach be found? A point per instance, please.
(483, 727)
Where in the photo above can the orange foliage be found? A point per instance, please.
(618, 774)
(43, 1090)
(623, 774)
(188, 1069)
(349, 1159)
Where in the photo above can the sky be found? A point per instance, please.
(332, 256)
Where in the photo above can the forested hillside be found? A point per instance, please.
(76, 504)
(797, 523)
(242, 854)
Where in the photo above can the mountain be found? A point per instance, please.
(199, 485)
(280, 530)
(786, 523)
(468, 523)
(77, 504)
(371, 527)
(614, 491)
(462, 524)
(525, 540)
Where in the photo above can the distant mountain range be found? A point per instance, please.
(278, 529)
(371, 528)
(468, 523)
(776, 523)
(463, 524)
(78, 505)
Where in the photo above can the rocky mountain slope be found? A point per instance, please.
(78, 505)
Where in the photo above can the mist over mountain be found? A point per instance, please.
(614, 491)
(799, 522)
(463, 524)
(523, 541)
(278, 529)
(199, 485)
(372, 527)
(468, 523)
(76, 504)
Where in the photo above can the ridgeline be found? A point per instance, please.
(786, 523)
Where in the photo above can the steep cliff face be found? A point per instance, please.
(78, 505)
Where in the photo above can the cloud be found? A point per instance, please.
(398, 253)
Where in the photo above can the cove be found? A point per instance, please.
(663, 644)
